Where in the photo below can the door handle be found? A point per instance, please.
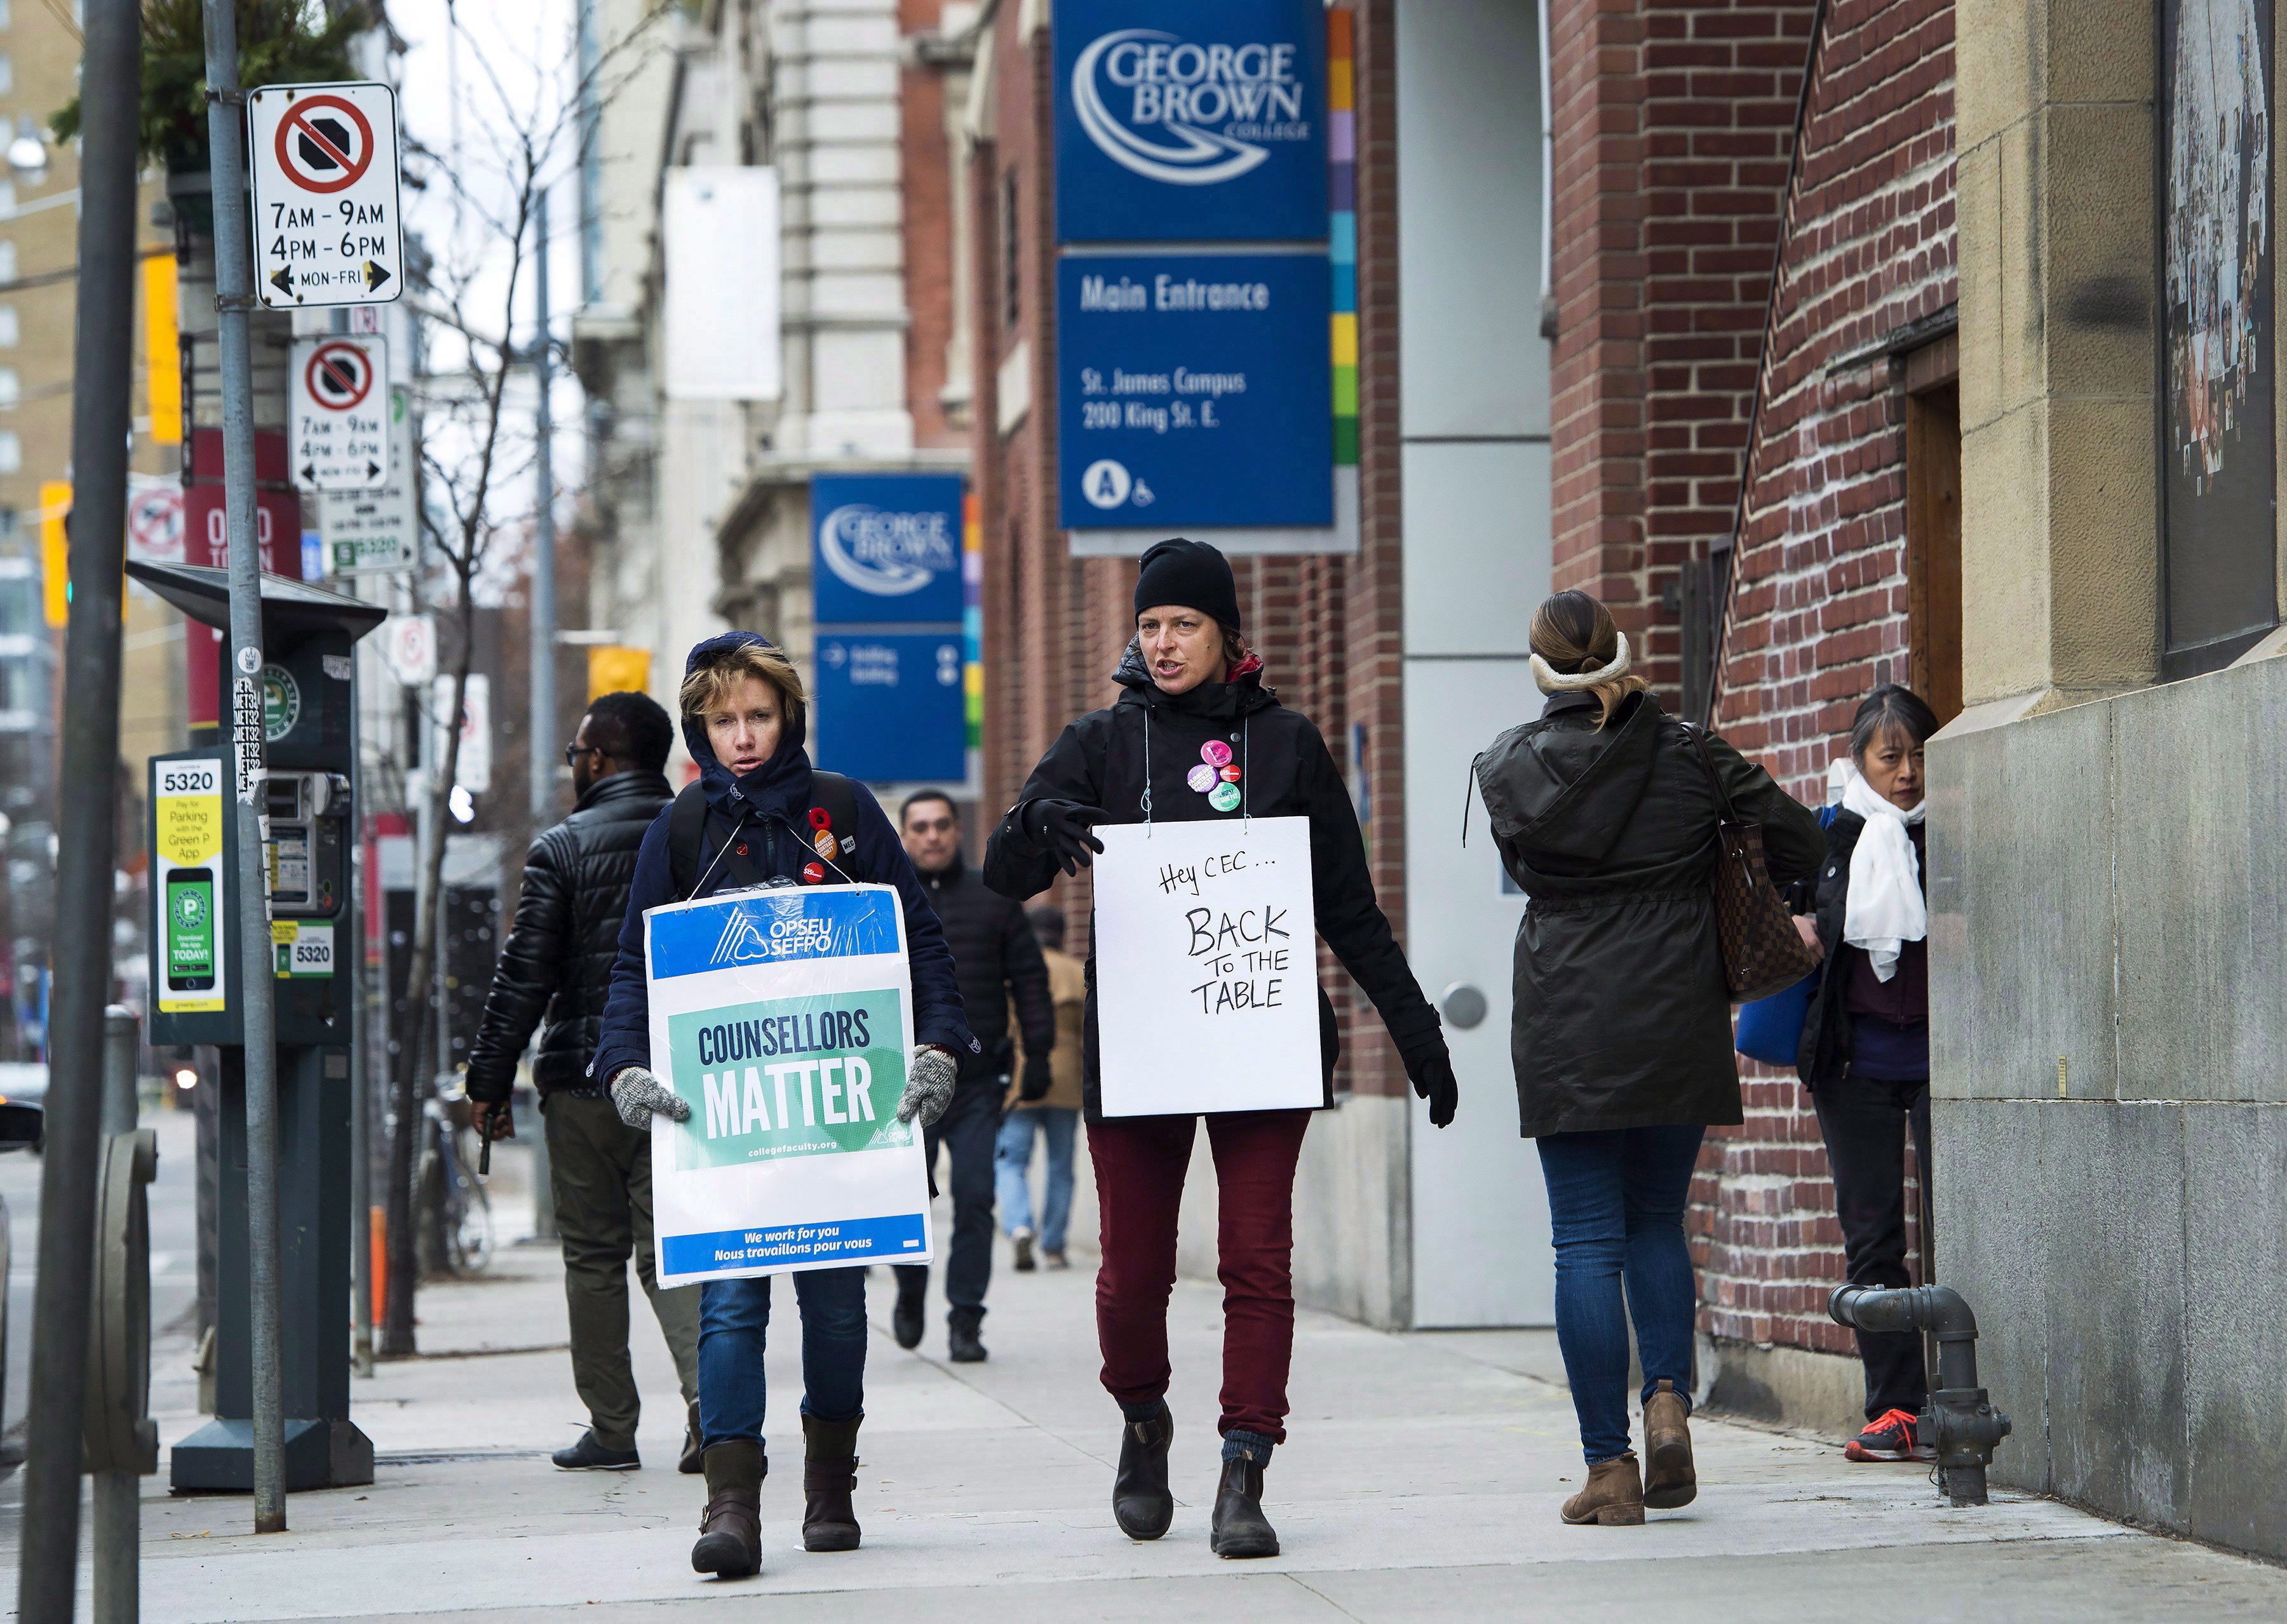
(1463, 1004)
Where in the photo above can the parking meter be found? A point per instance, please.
(308, 700)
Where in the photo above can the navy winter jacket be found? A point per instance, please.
(769, 807)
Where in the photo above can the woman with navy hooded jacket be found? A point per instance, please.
(744, 721)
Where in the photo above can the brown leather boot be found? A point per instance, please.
(1614, 1496)
(829, 1473)
(731, 1533)
(1669, 1479)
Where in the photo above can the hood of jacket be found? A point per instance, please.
(1564, 785)
(779, 785)
(1242, 695)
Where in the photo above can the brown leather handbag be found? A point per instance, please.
(1762, 953)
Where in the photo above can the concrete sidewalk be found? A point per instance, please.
(1422, 1482)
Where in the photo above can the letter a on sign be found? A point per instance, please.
(325, 194)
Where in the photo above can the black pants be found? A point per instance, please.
(968, 1128)
(1865, 1124)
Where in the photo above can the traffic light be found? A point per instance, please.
(55, 551)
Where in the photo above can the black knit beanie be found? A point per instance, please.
(1190, 573)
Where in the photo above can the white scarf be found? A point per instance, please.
(1885, 910)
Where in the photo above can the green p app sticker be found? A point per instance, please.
(791, 1077)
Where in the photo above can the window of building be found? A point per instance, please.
(1933, 524)
(7, 15)
(1012, 280)
(12, 452)
(9, 334)
(12, 389)
(7, 74)
(7, 259)
(2218, 460)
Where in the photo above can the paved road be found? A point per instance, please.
(1421, 1483)
(174, 1250)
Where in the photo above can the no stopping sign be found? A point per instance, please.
(325, 194)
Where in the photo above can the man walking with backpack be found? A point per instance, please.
(558, 959)
(996, 956)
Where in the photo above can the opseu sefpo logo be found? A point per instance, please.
(1191, 115)
(886, 553)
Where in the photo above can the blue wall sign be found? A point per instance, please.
(1194, 390)
(891, 709)
(885, 550)
(1191, 121)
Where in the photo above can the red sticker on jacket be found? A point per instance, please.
(812, 873)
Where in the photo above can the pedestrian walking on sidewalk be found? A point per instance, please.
(997, 960)
(746, 822)
(1865, 1040)
(1605, 812)
(1190, 690)
(1046, 1106)
(555, 973)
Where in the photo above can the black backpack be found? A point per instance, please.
(831, 795)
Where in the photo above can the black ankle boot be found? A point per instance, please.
(1142, 1503)
(1239, 1528)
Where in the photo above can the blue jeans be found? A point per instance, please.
(1616, 1202)
(734, 1322)
(1012, 1157)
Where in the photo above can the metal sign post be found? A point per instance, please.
(325, 194)
(233, 299)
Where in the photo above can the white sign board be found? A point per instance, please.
(785, 1019)
(338, 412)
(472, 770)
(371, 532)
(154, 522)
(1206, 968)
(325, 210)
(409, 647)
(720, 236)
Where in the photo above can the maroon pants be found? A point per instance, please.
(1139, 1162)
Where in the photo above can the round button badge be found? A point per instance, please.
(823, 843)
(1201, 777)
(812, 873)
(1214, 752)
(1231, 774)
(1224, 798)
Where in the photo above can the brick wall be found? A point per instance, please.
(1672, 124)
(1055, 625)
(925, 218)
(1818, 615)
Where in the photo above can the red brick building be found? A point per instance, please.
(1721, 284)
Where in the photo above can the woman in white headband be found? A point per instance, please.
(1605, 813)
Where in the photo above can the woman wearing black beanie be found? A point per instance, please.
(1193, 724)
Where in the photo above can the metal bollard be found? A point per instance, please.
(1961, 1422)
(122, 1441)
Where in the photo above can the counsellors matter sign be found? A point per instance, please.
(1191, 121)
(784, 1018)
(1194, 390)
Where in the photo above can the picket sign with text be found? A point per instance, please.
(784, 1018)
(1206, 968)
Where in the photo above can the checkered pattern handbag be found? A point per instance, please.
(1762, 953)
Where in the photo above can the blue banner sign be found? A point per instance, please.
(885, 550)
(1194, 390)
(1191, 121)
(891, 709)
(773, 927)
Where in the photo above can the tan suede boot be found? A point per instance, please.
(1614, 1496)
(1669, 1479)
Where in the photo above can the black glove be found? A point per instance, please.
(1432, 1073)
(1032, 1087)
(1060, 827)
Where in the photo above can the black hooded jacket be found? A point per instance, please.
(559, 953)
(998, 960)
(1622, 1016)
(1110, 759)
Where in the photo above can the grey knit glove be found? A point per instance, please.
(929, 1077)
(639, 1096)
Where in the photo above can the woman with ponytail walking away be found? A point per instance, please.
(1196, 735)
(1605, 811)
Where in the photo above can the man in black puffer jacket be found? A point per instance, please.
(558, 958)
(996, 957)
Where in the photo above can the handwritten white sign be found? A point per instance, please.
(1206, 968)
